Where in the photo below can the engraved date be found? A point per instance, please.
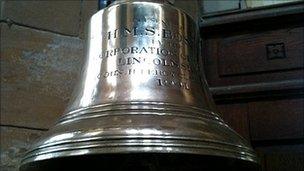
(173, 83)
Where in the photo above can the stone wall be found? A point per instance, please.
(41, 54)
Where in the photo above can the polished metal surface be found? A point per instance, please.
(141, 92)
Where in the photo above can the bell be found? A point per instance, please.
(142, 102)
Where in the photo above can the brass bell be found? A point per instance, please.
(141, 103)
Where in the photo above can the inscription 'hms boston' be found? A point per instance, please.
(147, 31)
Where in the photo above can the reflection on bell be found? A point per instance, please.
(140, 103)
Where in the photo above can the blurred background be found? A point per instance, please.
(252, 57)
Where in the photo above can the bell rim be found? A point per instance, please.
(174, 137)
(254, 162)
(206, 148)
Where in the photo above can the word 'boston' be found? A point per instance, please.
(147, 31)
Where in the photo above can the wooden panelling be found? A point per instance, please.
(279, 119)
(261, 52)
(235, 115)
(254, 57)
(282, 158)
(254, 65)
(251, 16)
(285, 162)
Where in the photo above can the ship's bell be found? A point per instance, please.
(142, 103)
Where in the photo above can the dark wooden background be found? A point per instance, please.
(254, 66)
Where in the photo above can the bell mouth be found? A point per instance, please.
(142, 162)
(182, 138)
